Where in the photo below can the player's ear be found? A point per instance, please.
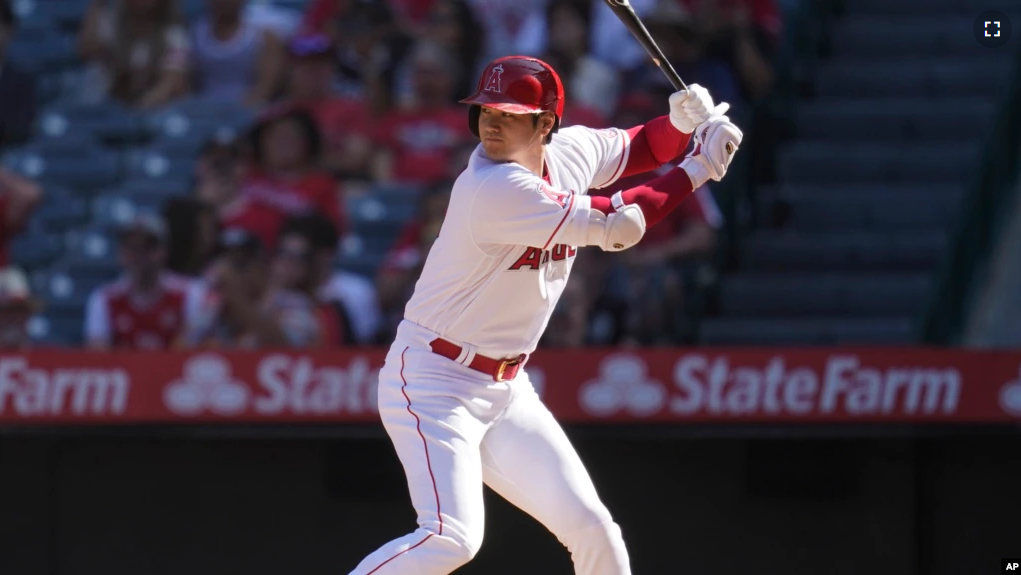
(547, 120)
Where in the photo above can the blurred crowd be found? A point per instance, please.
(348, 94)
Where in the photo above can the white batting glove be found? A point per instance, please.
(716, 142)
(691, 107)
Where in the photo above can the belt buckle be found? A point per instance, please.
(504, 364)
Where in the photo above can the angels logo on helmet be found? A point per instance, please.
(493, 83)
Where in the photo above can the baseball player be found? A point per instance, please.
(453, 396)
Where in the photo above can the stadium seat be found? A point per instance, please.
(819, 162)
(153, 165)
(948, 119)
(90, 253)
(878, 36)
(749, 294)
(365, 264)
(371, 209)
(818, 331)
(182, 114)
(60, 216)
(392, 194)
(900, 78)
(65, 292)
(43, 52)
(108, 121)
(85, 171)
(901, 208)
(67, 13)
(112, 210)
(59, 326)
(31, 251)
(795, 251)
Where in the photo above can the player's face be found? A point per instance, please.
(505, 135)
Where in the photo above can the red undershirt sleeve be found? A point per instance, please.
(653, 144)
(656, 198)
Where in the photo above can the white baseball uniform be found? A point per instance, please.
(487, 290)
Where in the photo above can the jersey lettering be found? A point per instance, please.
(534, 258)
(562, 252)
(493, 84)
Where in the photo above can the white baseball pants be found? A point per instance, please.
(454, 429)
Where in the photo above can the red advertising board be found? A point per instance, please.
(697, 385)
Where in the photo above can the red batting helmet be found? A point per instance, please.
(519, 85)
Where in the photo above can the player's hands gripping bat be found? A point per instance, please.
(623, 10)
(692, 107)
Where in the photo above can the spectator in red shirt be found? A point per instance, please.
(345, 122)
(284, 178)
(145, 308)
(415, 142)
(16, 307)
(18, 197)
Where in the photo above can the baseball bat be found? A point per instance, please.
(623, 10)
(626, 14)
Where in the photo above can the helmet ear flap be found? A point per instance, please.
(473, 119)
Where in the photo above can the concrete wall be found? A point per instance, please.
(710, 506)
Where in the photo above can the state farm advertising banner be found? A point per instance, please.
(584, 386)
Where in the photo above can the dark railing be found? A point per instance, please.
(942, 322)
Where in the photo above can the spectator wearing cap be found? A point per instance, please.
(345, 121)
(17, 306)
(284, 177)
(145, 308)
(138, 52)
(347, 301)
(234, 58)
(223, 309)
(18, 198)
(18, 104)
(414, 143)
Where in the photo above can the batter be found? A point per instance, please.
(453, 396)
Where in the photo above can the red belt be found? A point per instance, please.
(500, 369)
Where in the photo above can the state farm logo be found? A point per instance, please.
(1010, 396)
(207, 384)
(622, 383)
(715, 385)
(28, 390)
(281, 384)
